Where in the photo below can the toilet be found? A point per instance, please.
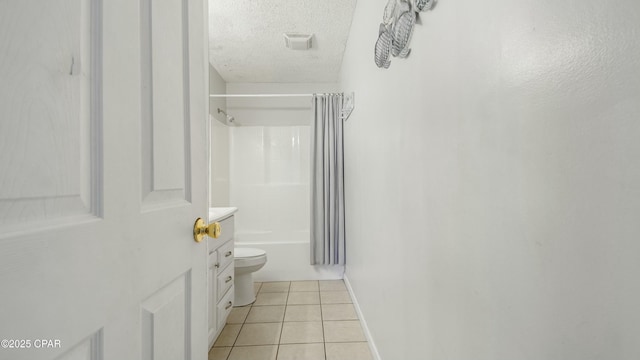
(247, 261)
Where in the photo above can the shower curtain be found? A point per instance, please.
(327, 183)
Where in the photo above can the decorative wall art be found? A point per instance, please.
(396, 29)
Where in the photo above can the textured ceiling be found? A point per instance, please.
(246, 42)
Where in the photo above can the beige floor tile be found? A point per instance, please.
(303, 298)
(261, 314)
(343, 331)
(238, 315)
(259, 334)
(304, 286)
(265, 352)
(256, 287)
(301, 332)
(228, 335)
(301, 352)
(339, 312)
(332, 285)
(271, 299)
(279, 286)
(348, 351)
(303, 313)
(335, 297)
(219, 353)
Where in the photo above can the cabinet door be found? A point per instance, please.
(224, 308)
(225, 281)
(226, 255)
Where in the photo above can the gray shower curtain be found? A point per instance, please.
(327, 181)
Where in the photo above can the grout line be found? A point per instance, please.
(244, 321)
(324, 339)
(229, 354)
(282, 322)
(256, 345)
(322, 320)
(237, 336)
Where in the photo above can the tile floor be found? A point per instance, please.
(294, 320)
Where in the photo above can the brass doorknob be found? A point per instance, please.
(200, 229)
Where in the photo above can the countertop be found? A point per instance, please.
(220, 213)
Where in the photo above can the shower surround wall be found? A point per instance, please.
(269, 178)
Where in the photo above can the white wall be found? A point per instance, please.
(219, 144)
(493, 182)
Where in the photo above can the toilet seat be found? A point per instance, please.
(245, 257)
(248, 253)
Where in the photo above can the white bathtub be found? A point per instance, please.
(287, 256)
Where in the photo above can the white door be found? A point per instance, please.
(103, 108)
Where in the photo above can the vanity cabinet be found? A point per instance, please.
(220, 278)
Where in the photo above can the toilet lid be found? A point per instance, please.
(248, 252)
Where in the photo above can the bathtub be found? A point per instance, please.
(287, 256)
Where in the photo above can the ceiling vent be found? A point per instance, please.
(298, 41)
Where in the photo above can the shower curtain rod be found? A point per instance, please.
(263, 95)
(347, 102)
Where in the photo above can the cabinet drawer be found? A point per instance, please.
(225, 254)
(226, 233)
(225, 281)
(224, 308)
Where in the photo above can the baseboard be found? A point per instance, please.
(365, 328)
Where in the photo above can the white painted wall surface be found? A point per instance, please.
(493, 182)
(219, 144)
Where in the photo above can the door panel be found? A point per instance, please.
(49, 82)
(165, 319)
(88, 349)
(165, 92)
(103, 146)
